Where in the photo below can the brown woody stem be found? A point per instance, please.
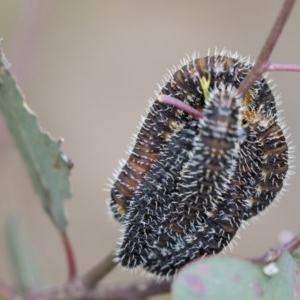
(273, 254)
(93, 276)
(140, 290)
(264, 56)
(71, 262)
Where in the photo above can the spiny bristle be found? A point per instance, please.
(189, 184)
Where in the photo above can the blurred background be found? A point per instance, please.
(87, 69)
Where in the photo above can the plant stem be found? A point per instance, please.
(263, 58)
(93, 276)
(135, 290)
(140, 290)
(168, 100)
(273, 254)
(282, 67)
(71, 262)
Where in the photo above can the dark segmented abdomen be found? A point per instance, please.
(189, 184)
(162, 121)
(172, 224)
(272, 144)
(154, 134)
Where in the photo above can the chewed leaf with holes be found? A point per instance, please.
(48, 167)
(222, 278)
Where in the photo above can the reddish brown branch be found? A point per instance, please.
(93, 276)
(84, 287)
(168, 100)
(71, 262)
(140, 290)
(81, 287)
(137, 290)
(273, 254)
(264, 56)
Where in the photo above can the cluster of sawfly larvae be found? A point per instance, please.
(190, 183)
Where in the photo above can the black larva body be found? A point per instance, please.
(188, 184)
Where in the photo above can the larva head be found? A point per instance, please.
(223, 111)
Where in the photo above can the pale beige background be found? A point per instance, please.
(87, 69)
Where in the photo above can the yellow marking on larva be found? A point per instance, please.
(172, 123)
(121, 210)
(251, 116)
(248, 99)
(167, 136)
(204, 84)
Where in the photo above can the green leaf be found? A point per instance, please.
(296, 253)
(232, 278)
(48, 167)
(25, 267)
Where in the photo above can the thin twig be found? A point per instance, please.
(137, 290)
(168, 100)
(71, 262)
(80, 287)
(273, 254)
(93, 276)
(282, 67)
(140, 290)
(263, 58)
